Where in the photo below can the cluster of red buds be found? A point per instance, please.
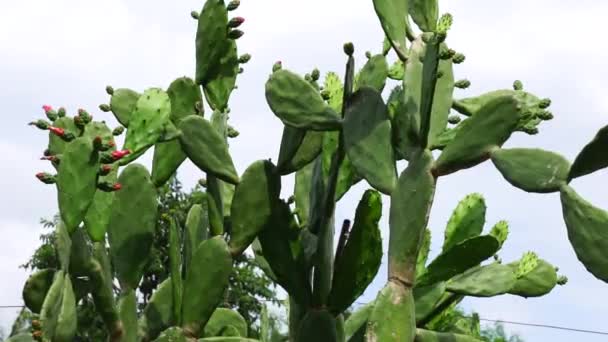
(109, 158)
(109, 187)
(46, 178)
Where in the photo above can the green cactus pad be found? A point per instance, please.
(173, 334)
(298, 148)
(587, 232)
(197, 230)
(56, 144)
(158, 314)
(207, 149)
(63, 246)
(80, 254)
(148, 123)
(432, 336)
(317, 325)
(592, 157)
(407, 117)
(98, 216)
(373, 74)
(298, 104)
(531, 169)
(175, 267)
(355, 325)
(65, 329)
(36, 287)
(425, 14)
(479, 135)
(409, 212)
(394, 22)
(459, 258)
(222, 80)
(347, 176)
(359, 261)
(301, 192)
(185, 95)
(127, 307)
(427, 297)
(103, 295)
(367, 139)
(254, 199)
(484, 281)
(538, 282)
(282, 251)
(215, 205)
(393, 315)
(132, 225)
(467, 220)
(223, 318)
(205, 283)
(168, 156)
(211, 35)
(334, 89)
(77, 181)
(500, 231)
(52, 305)
(123, 103)
(423, 254)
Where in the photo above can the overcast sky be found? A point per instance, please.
(64, 53)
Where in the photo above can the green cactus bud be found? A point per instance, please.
(562, 280)
(326, 94)
(241, 70)
(46, 178)
(236, 22)
(202, 182)
(235, 34)
(544, 103)
(232, 5)
(458, 58)
(308, 78)
(445, 23)
(315, 74)
(349, 49)
(518, 85)
(500, 231)
(278, 65)
(40, 124)
(61, 112)
(244, 58)
(232, 133)
(104, 107)
(118, 131)
(462, 84)
(446, 54)
(194, 15)
(545, 115)
(454, 119)
(368, 54)
(109, 90)
(291, 199)
(49, 112)
(439, 74)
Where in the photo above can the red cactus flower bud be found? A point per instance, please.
(117, 186)
(50, 158)
(45, 178)
(236, 22)
(47, 108)
(111, 143)
(97, 141)
(60, 132)
(105, 169)
(109, 187)
(120, 154)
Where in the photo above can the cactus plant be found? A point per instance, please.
(333, 138)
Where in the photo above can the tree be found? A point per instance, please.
(249, 287)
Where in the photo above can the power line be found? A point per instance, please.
(547, 326)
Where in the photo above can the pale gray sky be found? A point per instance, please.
(64, 52)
